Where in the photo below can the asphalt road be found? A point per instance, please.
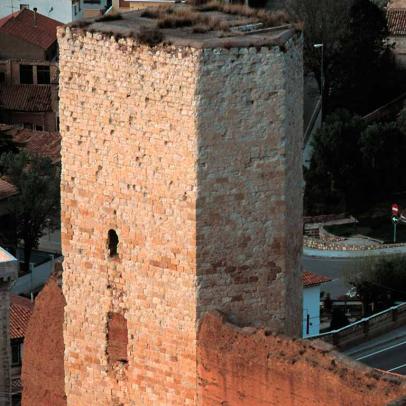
(333, 268)
(392, 358)
(387, 352)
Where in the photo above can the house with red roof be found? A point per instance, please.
(29, 70)
(64, 11)
(396, 18)
(28, 34)
(311, 302)
(21, 310)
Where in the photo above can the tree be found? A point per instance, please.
(7, 144)
(37, 203)
(383, 151)
(364, 74)
(338, 319)
(401, 120)
(331, 180)
(324, 22)
(359, 70)
(354, 165)
(380, 282)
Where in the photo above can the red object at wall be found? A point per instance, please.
(395, 209)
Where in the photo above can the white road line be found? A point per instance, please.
(378, 352)
(399, 367)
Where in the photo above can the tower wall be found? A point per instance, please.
(129, 147)
(249, 203)
(192, 156)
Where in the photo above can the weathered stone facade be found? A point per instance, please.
(193, 157)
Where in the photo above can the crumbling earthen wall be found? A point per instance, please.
(5, 353)
(192, 156)
(43, 370)
(246, 367)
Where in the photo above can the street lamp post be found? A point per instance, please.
(321, 47)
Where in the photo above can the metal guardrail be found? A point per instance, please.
(367, 327)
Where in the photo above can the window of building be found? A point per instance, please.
(15, 354)
(117, 338)
(2, 77)
(112, 243)
(23, 6)
(75, 9)
(43, 75)
(26, 74)
(38, 127)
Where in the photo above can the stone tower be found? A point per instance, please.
(181, 193)
(8, 274)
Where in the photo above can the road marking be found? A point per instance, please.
(378, 352)
(399, 367)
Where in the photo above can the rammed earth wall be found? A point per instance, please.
(193, 157)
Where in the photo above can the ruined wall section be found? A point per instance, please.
(249, 208)
(245, 367)
(129, 151)
(42, 371)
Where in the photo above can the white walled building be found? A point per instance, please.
(311, 303)
(64, 11)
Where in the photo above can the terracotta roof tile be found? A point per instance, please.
(397, 21)
(312, 279)
(20, 313)
(26, 98)
(21, 25)
(45, 143)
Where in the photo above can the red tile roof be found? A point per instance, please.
(26, 98)
(312, 279)
(20, 313)
(397, 21)
(6, 189)
(45, 143)
(21, 25)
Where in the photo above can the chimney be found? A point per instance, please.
(35, 16)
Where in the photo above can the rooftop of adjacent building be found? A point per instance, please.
(397, 21)
(5, 256)
(21, 310)
(209, 25)
(45, 143)
(311, 279)
(24, 97)
(30, 26)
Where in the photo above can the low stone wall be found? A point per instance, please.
(328, 245)
(326, 236)
(323, 218)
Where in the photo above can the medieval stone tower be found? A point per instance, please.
(181, 193)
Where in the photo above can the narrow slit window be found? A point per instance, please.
(117, 338)
(112, 243)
